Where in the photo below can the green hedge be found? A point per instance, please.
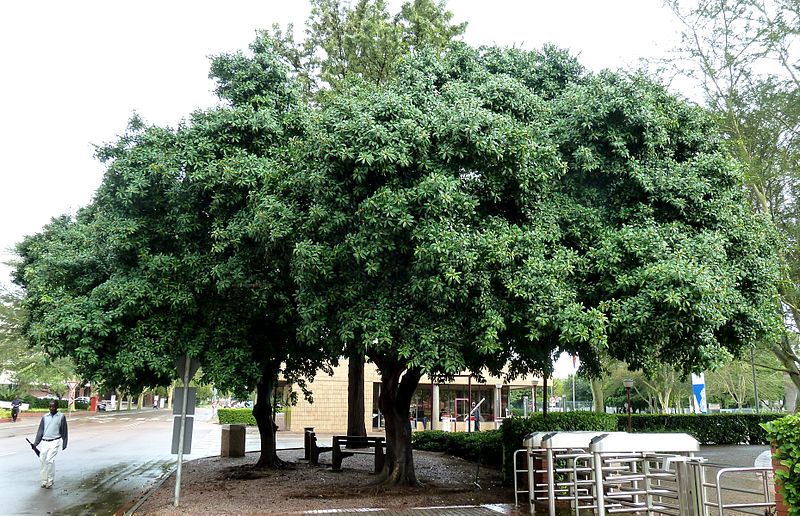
(236, 416)
(707, 429)
(36, 403)
(486, 446)
(784, 436)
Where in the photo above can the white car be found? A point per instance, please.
(82, 399)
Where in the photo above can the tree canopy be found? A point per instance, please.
(185, 249)
(493, 207)
(481, 209)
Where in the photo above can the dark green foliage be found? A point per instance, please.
(236, 416)
(707, 429)
(37, 403)
(784, 435)
(486, 447)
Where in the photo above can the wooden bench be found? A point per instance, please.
(347, 445)
(314, 450)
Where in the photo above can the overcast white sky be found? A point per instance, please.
(73, 72)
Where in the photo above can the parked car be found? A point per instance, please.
(49, 397)
(82, 399)
(106, 406)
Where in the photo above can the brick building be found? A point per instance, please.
(444, 404)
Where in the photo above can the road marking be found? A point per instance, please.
(7, 453)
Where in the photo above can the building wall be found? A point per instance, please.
(328, 412)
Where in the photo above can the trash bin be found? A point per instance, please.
(233, 438)
(446, 424)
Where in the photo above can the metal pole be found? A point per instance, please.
(534, 399)
(573, 392)
(630, 427)
(544, 397)
(469, 403)
(182, 429)
(755, 383)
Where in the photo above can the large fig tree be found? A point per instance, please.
(493, 208)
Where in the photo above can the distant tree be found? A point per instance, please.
(732, 383)
(744, 55)
(28, 366)
(660, 388)
(362, 39)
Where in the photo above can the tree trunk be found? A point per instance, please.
(355, 396)
(262, 411)
(783, 350)
(598, 401)
(790, 393)
(395, 404)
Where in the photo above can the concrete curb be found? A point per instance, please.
(140, 501)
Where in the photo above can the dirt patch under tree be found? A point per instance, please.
(218, 485)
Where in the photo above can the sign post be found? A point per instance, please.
(71, 385)
(700, 405)
(186, 367)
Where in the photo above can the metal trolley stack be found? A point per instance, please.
(619, 473)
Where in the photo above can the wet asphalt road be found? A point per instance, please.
(111, 459)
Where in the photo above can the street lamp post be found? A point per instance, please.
(544, 397)
(534, 383)
(628, 383)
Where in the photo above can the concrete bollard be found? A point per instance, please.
(233, 438)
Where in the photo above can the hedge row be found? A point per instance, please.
(486, 446)
(236, 416)
(707, 429)
(36, 403)
(784, 435)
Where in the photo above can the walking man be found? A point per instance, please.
(52, 433)
(15, 405)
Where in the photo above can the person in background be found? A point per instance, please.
(15, 405)
(52, 433)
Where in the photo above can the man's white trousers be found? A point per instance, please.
(47, 457)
